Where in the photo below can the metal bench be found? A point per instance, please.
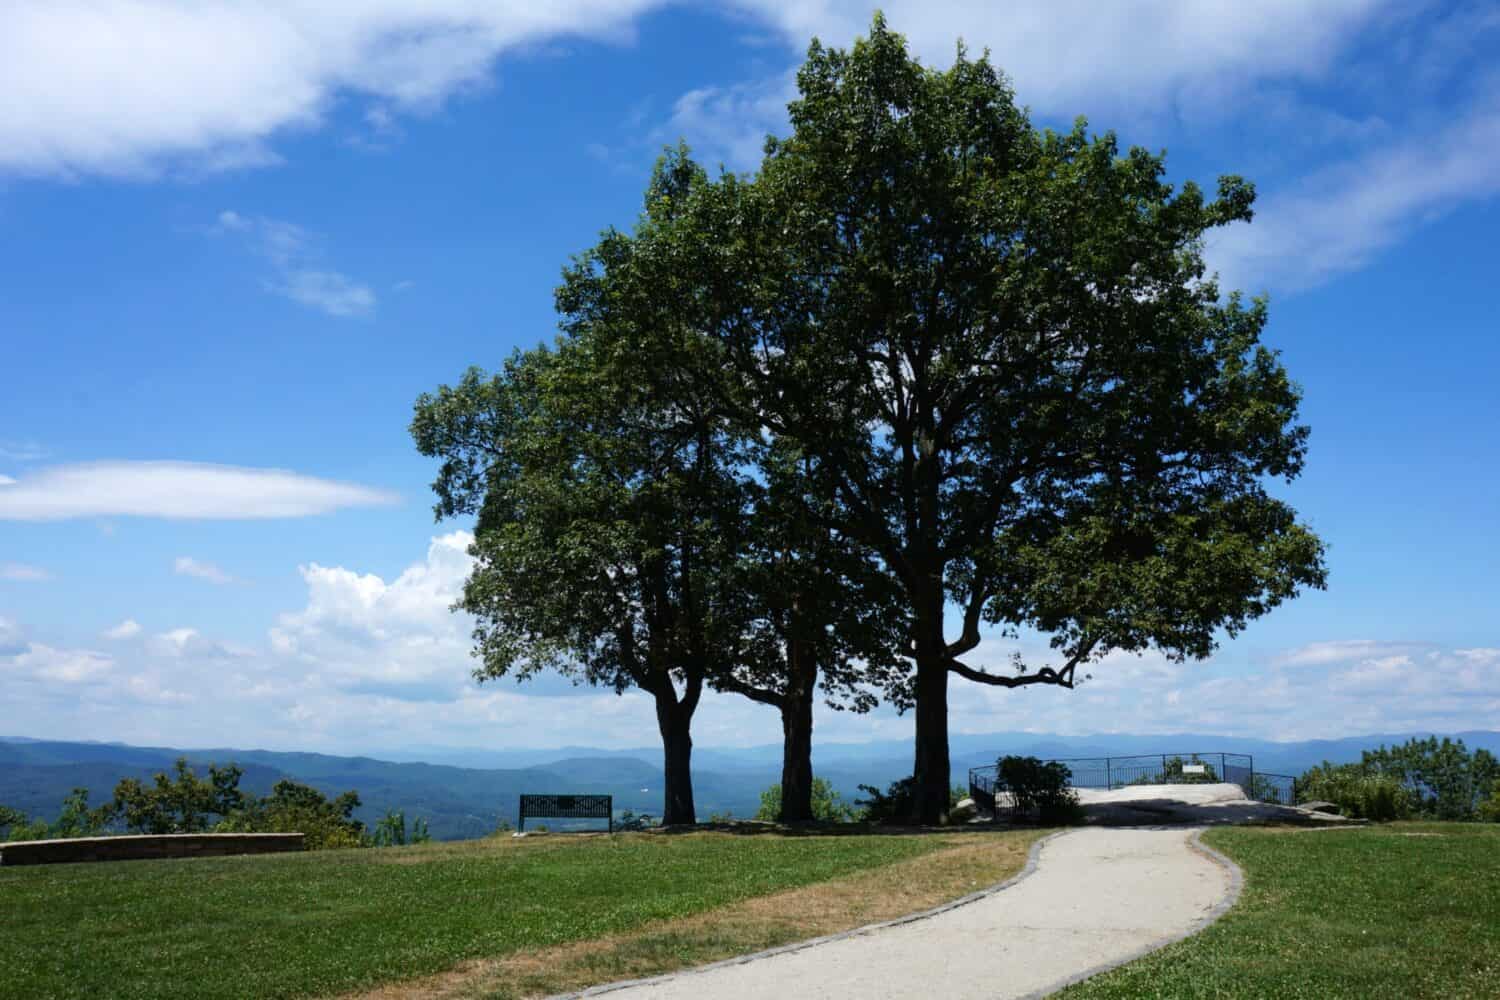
(566, 807)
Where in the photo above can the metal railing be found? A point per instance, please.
(986, 787)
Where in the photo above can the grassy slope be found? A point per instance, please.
(1406, 910)
(292, 925)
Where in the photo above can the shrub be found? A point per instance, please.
(15, 825)
(1040, 787)
(636, 821)
(1489, 809)
(896, 804)
(827, 804)
(1358, 793)
(293, 807)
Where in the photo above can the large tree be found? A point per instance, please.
(824, 617)
(631, 534)
(1000, 346)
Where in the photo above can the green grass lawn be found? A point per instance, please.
(308, 924)
(1404, 910)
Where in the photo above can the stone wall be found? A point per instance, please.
(132, 848)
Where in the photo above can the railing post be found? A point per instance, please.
(1109, 778)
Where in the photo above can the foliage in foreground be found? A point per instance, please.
(321, 924)
(1386, 913)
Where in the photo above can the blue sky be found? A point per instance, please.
(241, 238)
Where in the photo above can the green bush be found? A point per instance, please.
(16, 825)
(293, 807)
(1358, 793)
(1489, 809)
(828, 805)
(1043, 788)
(390, 830)
(897, 804)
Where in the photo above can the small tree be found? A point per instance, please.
(293, 807)
(180, 802)
(76, 818)
(1445, 779)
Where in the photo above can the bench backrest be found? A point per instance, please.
(567, 807)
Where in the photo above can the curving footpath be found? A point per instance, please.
(1089, 900)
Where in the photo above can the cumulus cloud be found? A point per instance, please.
(22, 573)
(127, 629)
(188, 566)
(368, 661)
(293, 254)
(131, 87)
(397, 638)
(191, 490)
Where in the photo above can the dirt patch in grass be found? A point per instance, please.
(967, 863)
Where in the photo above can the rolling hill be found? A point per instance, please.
(466, 792)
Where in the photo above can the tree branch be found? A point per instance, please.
(1061, 677)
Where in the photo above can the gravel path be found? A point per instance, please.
(1097, 897)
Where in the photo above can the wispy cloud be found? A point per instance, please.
(190, 490)
(22, 451)
(22, 573)
(1338, 219)
(188, 566)
(127, 629)
(300, 276)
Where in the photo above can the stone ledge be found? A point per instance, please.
(138, 847)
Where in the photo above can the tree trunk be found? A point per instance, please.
(674, 719)
(930, 768)
(796, 754)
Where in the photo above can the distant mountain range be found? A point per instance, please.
(466, 792)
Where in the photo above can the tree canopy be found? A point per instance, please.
(1002, 348)
(963, 362)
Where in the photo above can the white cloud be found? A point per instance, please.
(6, 481)
(398, 639)
(188, 566)
(1340, 218)
(1340, 651)
(22, 573)
(130, 87)
(65, 666)
(177, 490)
(294, 255)
(730, 123)
(127, 629)
(1080, 56)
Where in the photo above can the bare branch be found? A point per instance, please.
(1060, 677)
